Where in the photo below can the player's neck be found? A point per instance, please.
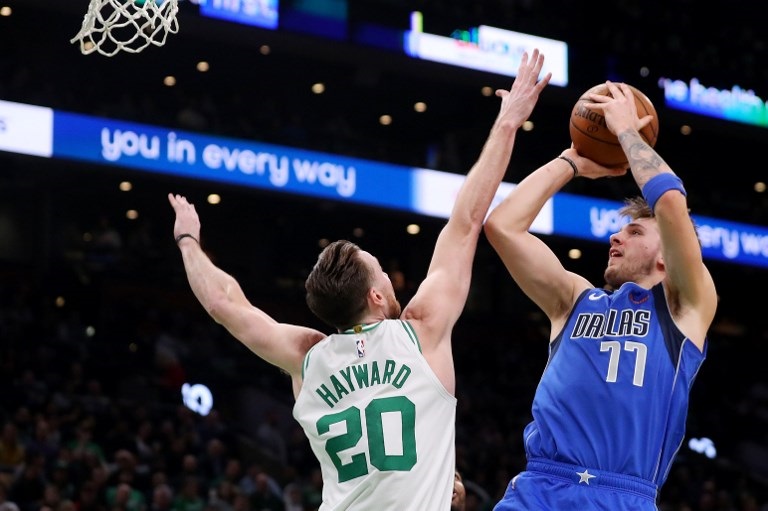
(359, 327)
(371, 317)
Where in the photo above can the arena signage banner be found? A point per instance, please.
(41, 131)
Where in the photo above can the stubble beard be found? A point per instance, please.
(393, 308)
(618, 274)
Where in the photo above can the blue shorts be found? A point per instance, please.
(548, 485)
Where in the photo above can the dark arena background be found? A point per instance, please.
(99, 331)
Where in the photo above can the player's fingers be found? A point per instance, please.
(645, 121)
(619, 171)
(616, 91)
(544, 81)
(524, 59)
(626, 90)
(535, 59)
(598, 99)
(538, 60)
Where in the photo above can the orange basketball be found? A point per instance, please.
(592, 138)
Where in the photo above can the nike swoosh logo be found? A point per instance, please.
(595, 296)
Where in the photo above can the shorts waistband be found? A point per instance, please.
(584, 476)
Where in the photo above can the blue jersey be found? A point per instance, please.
(614, 394)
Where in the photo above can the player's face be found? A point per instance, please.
(382, 283)
(459, 494)
(634, 253)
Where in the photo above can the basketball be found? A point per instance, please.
(592, 138)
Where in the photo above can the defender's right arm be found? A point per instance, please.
(281, 344)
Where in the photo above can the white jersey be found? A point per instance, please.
(379, 421)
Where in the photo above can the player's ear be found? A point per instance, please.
(374, 296)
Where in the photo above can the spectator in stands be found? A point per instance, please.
(162, 498)
(5, 503)
(28, 487)
(12, 450)
(459, 500)
(190, 496)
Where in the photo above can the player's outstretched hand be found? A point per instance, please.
(518, 102)
(187, 220)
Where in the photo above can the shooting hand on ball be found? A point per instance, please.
(619, 109)
(591, 169)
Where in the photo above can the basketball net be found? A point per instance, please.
(111, 26)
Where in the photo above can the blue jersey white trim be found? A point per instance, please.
(614, 394)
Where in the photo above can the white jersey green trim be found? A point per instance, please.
(379, 421)
(412, 334)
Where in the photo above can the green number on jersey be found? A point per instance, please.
(374, 412)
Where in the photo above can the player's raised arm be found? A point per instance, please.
(280, 344)
(442, 296)
(688, 282)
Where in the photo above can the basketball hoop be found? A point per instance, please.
(111, 26)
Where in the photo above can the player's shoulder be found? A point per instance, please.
(400, 327)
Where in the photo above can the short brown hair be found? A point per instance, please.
(338, 284)
(637, 207)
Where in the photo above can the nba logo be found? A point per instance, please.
(360, 344)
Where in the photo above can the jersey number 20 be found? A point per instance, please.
(374, 426)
